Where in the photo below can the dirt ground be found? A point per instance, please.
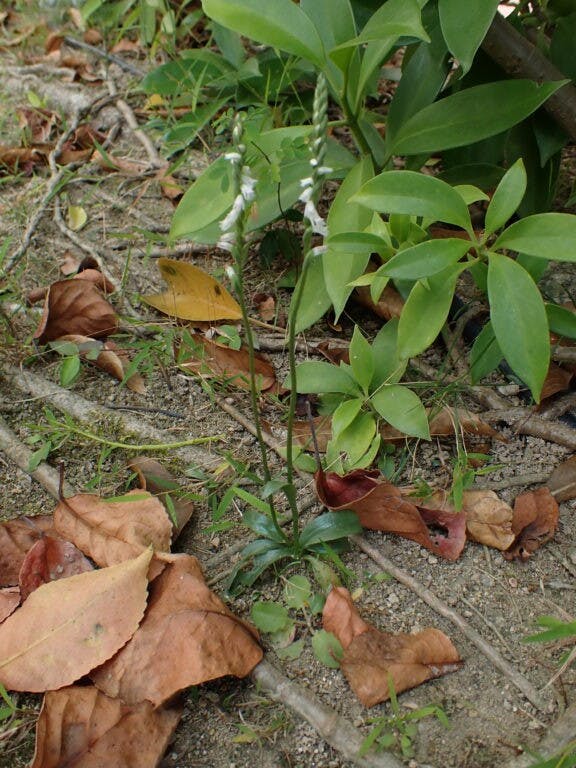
(491, 722)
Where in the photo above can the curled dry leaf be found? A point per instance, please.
(68, 627)
(381, 507)
(110, 358)
(22, 159)
(265, 306)
(557, 379)
(75, 307)
(50, 559)
(232, 365)
(534, 523)
(155, 479)
(113, 531)
(372, 659)
(199, 638)
(16, 538)
(562, 482)
(488, 518)
(451, 420)
(390, 303)
(192, 294)
(9, 601)
(80, 727)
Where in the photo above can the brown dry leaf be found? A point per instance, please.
(265, 306)
(155, 479)
(372, 659)
(557, 380)
(169, 186)
(113, 531)
(92, 36)
(192, 294)
(334, 355)
(22, 159)
(450, 420)
(535, 521)
(40, 124)
(199, 638)
(68, 627)
(381, 507)
(80, 727)
(16, 538)
(231, 365)
(322, 429)
(9, 601)
(48, 560)
(75, 307)
(389, 304)
(111, 359)
(562, 482)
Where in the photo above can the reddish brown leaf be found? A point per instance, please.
(389, 304)
(111, 532)
(68, 627)
(9, 601)
(381, 507)
(451, 420)
(75, 307)
(373, 659)
(153, 477)
(22, 159)
(111, 359)
(16, 538)
(322, 429)
(557, 380)
(534, 523)
(562, 482)
(335, 355)
(48, 560)
(199, 638)
(265, 306)
(80, 727)
(211, 359)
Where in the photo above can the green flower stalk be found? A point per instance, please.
(233, 239)
(311, 187)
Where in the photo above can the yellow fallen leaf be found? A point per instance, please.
(192, 294)
(77, 217)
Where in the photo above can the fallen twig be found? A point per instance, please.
(125, 65)
(523, 685)
(339, 733)
(128, 115)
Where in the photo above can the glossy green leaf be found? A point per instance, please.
(318, 376)
(335, 24)
(460, 119)
(519, 320)
(464, 25)
(471, 193)
(330, 526)
(389, 367)
(315, 299)
(485, 355)
(414, 194)
(547, 235)
(345, 414)
(278, 23)
(327, 648)
(261, 525)
(425, 259)
(340, 269)
(358, 243)
(361, 360)
(535, 266)
(357, 439)
(69, 370)
(561, 321)
(403, 409)
(269, 616)
(507, 197)
(426, 311)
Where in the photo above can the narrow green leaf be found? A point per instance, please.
(425, 311)
(69, 370)
(403, 409)
(464, 26)
(471, 193)
(519, 320)
(318, 376)
(38, 456)
(425, 259)
(261, 525)
(416, 195)
(361, 360)
(357, 243)
(330, 526)
(345, 414)
(485, 355)
(507, 197)
(315, 299)
(389, 367)
(547, 235)
(278, 23)
(327, 648)
(357, 439)
(460, 119)
(561, 321)
(269, 616)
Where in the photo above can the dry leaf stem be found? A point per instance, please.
(425, 594)
(339, 733)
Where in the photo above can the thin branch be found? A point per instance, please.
(125, 65)
(128, 115)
